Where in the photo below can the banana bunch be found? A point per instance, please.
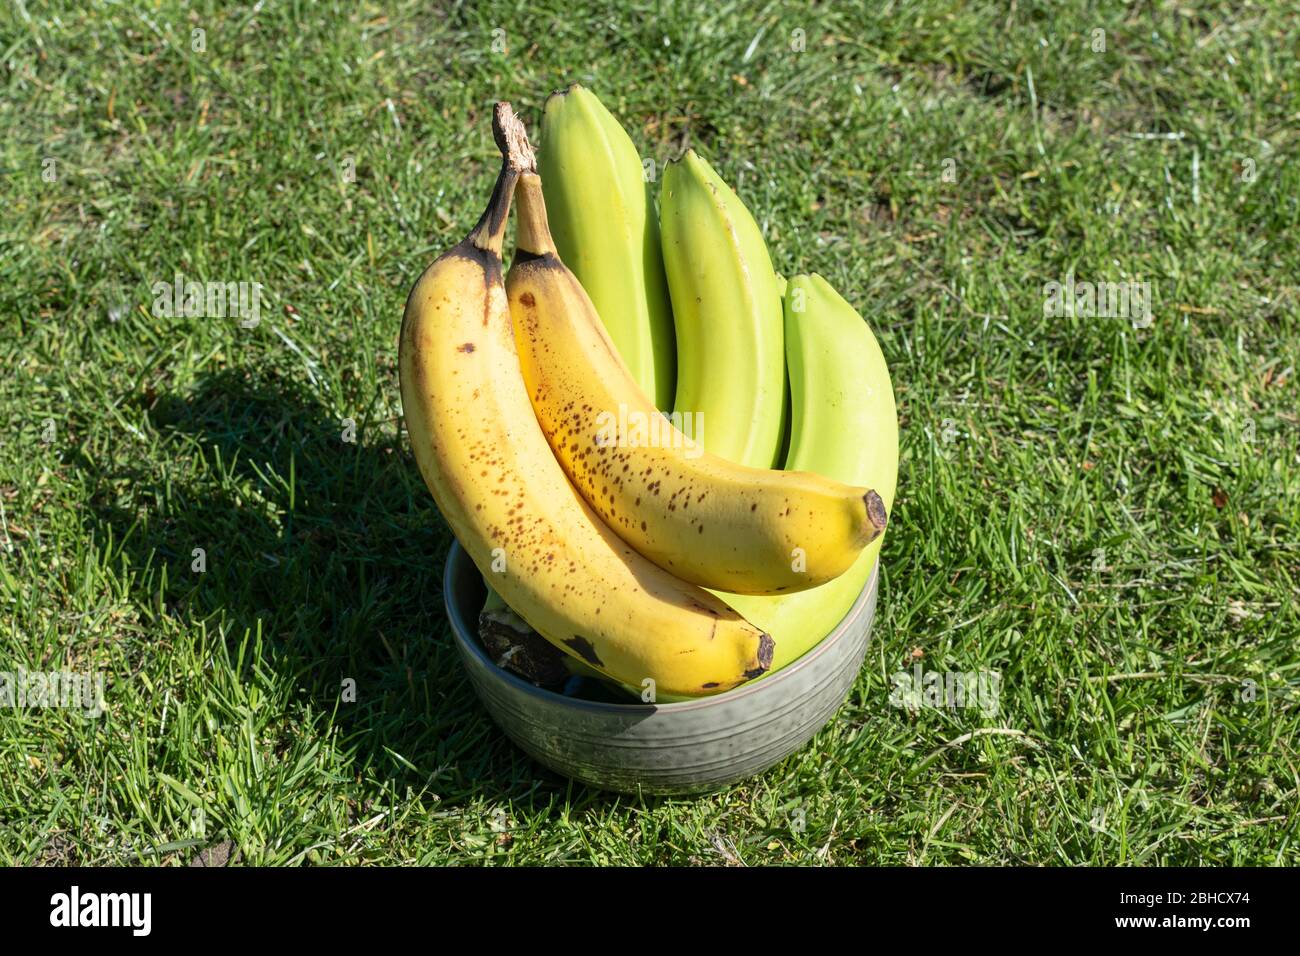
(697, 515)
(643, 546)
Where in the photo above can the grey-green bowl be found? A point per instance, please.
(686, 747)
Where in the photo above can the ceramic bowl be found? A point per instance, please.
(672, 748)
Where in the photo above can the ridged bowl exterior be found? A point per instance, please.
(687, 747)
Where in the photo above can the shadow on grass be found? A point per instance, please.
(337, 549)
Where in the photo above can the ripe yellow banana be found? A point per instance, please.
(506, 498)
(844, 425)
(605, 228)
(699, 516)
(727, 311)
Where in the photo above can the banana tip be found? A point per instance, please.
(876, 512)
(766, 648)
(682, 160)
(560, 94)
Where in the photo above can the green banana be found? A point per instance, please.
(603, 221)
(727, 311)
(844, 426)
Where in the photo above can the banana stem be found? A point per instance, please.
(533, 236)
(516, 158)
(489, 233)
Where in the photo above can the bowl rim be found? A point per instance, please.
(465, 641)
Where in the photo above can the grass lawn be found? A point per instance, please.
(1105, 511)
